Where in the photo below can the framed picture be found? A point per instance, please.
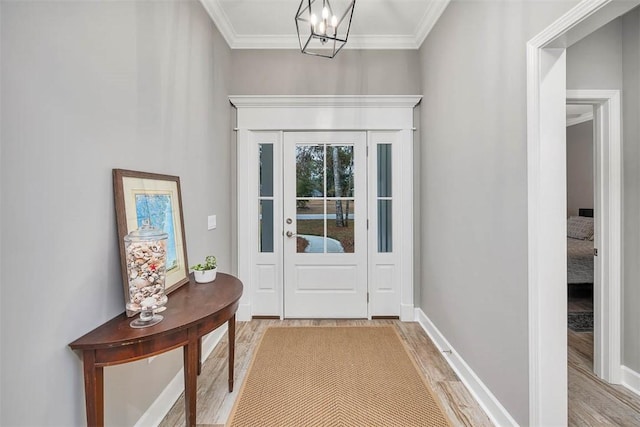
(142, 196)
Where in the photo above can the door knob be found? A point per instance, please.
(289, 234)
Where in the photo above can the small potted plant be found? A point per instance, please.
(205, 273)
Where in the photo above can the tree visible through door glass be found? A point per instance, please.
(324, 202)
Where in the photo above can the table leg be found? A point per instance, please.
(232, 344)
(93, 389)
(199, 355)
(190, 378)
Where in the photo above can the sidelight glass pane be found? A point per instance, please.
(266, 170)
(309, 170)
(384, 170)
(340, 226)
(266, 226)
(385, 241)
(340, 174)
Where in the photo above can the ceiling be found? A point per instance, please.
(578, 113)
(377, 24)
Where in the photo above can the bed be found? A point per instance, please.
(580, 248)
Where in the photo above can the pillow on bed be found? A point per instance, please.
(580, 227)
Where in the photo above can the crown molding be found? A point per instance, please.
(220, 18)
(431, 16)
(355, 42)
(346, 101)
(580, 119)
(290, 41)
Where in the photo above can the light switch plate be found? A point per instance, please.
(211, 222)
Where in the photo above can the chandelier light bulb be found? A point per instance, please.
(323, 20)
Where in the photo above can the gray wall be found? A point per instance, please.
(351, 72)
(631, 201)
(610, 59)
(579, 167)
(87, 87)
(474, 187)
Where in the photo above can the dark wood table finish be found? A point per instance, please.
(192, 311)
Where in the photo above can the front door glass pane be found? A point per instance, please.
(340, 226)
(310, 171)
(324, 203)
(310, 226)
(340, 171)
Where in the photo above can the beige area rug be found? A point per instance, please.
(334, 376)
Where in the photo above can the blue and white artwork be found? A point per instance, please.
(158, 209)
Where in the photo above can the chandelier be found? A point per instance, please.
(323, 30)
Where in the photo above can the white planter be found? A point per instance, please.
(205, 276)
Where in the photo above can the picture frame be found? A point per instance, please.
(155, 197)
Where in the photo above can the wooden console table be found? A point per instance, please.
(193, 310)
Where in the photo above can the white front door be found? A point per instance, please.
(325, 225)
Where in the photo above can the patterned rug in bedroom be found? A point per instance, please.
(581, 321)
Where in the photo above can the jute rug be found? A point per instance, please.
(334, 376)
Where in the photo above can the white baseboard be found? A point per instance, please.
(163, 403)
(631, 379)
(487, 401)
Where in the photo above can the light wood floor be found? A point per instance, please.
(215, 403)
(593, 402)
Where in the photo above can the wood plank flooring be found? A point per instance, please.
(215, 403)
(591, 401)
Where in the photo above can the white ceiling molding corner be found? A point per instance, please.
(431, 16)
(220, 18)
(572, 121)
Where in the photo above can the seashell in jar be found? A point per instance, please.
(149, 302)
(140, 283)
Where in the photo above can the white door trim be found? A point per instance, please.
(275, 114)
(608, 222)
(546, 167)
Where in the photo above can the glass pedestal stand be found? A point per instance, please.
(147, 318)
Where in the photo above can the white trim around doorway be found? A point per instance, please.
(268, 117)
(546, 167)
(608, 225)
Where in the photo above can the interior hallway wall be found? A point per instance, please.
(474, 187)
(351, 72)
(631, 189)
(579, 167)
(87, 87)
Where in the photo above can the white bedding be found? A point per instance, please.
(579, 261)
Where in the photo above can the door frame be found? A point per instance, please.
(272, 115)
(608, 225)
(546, 167)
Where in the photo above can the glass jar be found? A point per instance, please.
(146, 256)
